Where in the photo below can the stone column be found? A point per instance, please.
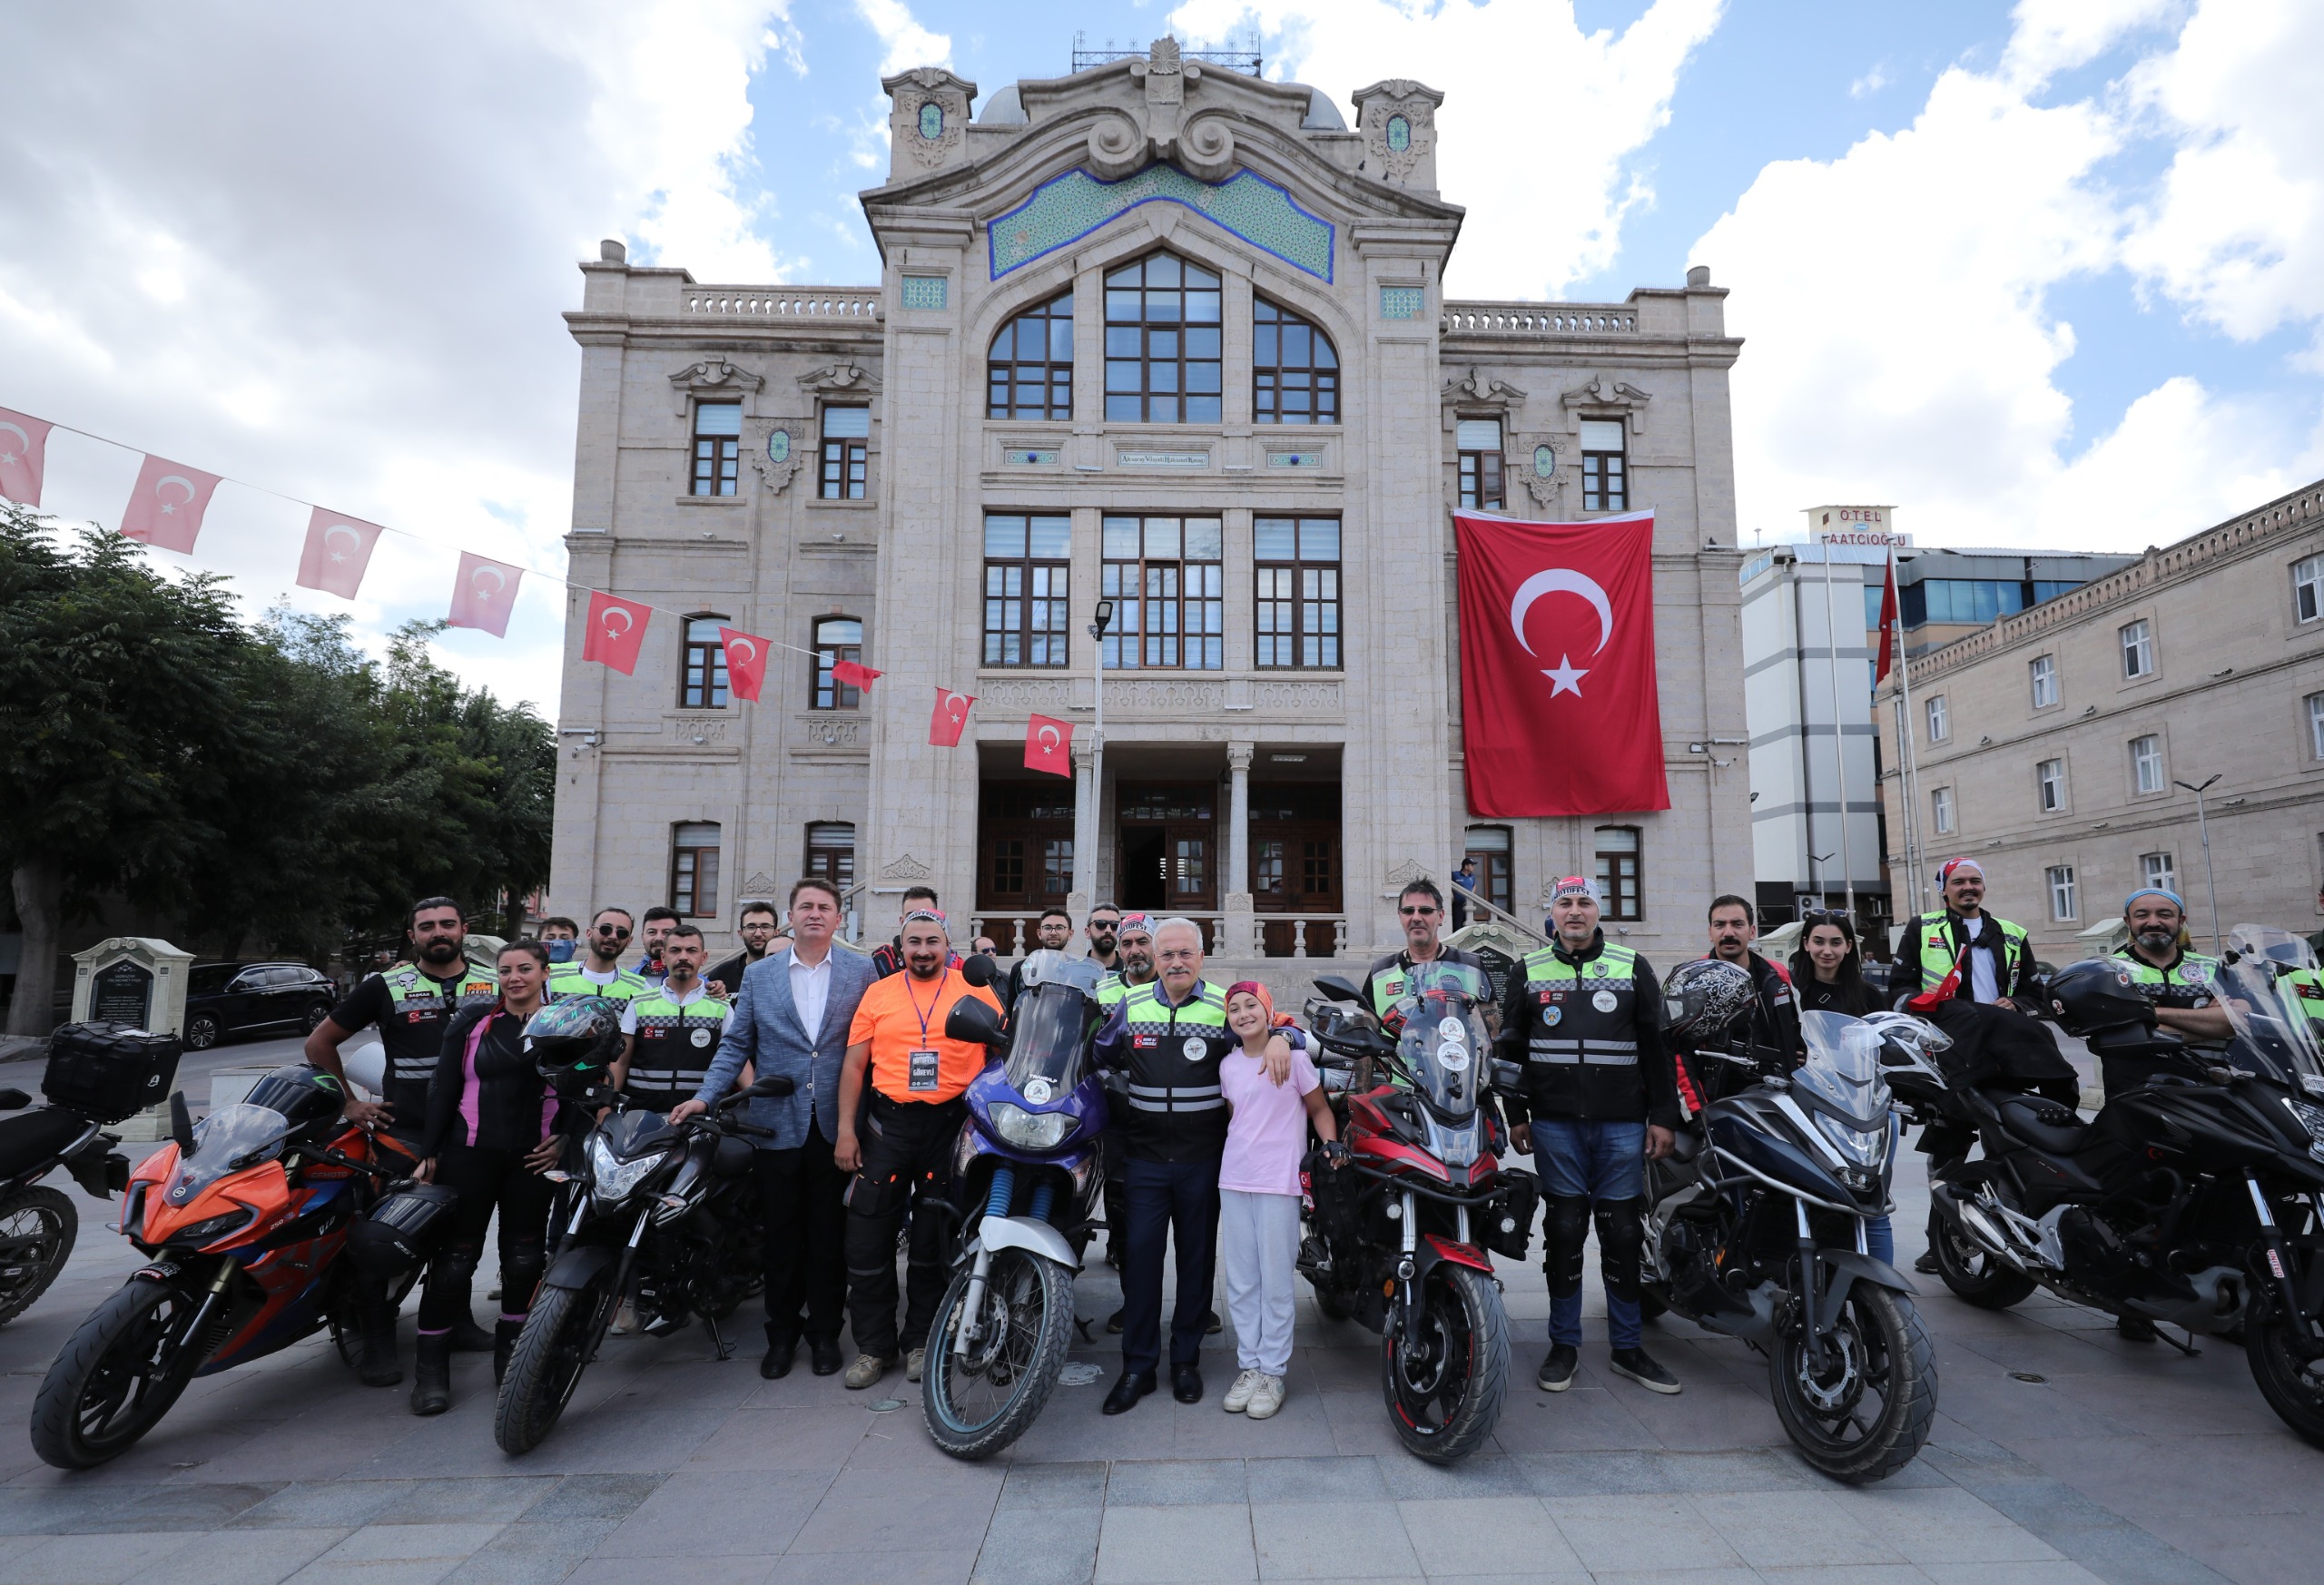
(1239, 928)
(1083, 897)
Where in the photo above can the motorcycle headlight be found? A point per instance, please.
(612, 1179)
(1455, 1146)
(212, 1228)
(1860, 1148)
(1029, 1130)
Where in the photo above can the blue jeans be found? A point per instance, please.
(1602, 1162)
(1880, 1240)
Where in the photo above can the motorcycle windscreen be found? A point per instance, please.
(228, 1140)
(2272, 1018)
(1842, 1070)
(1443, 1044)
(1049, 1031)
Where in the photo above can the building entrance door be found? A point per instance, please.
(1025, 856)
(1295, 864)
(1168, 838)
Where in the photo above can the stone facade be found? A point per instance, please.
(1355, 765)
(2066, 801)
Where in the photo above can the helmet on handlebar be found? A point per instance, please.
(2098, 993)
(1916, 1034)
(1702, 1001)
(574, 1037)
(303, 1093)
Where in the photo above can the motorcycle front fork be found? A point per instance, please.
(2280, 1268)
(1407, 1301)
(1817, 1327)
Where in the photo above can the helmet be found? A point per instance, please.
(1918, 1034)
(2098, 993)
(1702, 999)
(401, 1231)
(568, 1035)
(303, 1093)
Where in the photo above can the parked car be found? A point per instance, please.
(234, 998)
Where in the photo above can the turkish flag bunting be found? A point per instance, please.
(337, 552)
(853, 676)
(484, 593)
(165, 508)
(1583, 735)
(1048, 746)
(950, 715)
(616, 630)
(23, 454)
(1887, 622)
(745, 663)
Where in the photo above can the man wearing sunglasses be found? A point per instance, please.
(1420, 910)
(597, 971)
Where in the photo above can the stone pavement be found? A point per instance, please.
(2097, 1459)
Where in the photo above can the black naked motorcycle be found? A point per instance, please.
(97, 1074)
(2192, 1201)
(1756, 1229)
(661, 1213)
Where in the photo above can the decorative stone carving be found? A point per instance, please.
(777, 462)
(1399, 121)
(1161, 128)
(904, 867)
(713, 377)
(1604, 396)
(832, 731)
(1404, 870)
(759, 883)
(1542, 483)
(1323, 698)
(929, 117)
(698, 729)
(1476, 389)
(840, 379)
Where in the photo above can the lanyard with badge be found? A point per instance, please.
(923, 1069)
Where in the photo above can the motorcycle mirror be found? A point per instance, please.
(1337, 989)
(978, 970)
(1508, 1078)
(973, 1022)
(14, 1100)
(772, 1085)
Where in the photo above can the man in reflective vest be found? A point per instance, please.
(673, 1030)
(1131, 938)
(1599, 1096)
(1420, 910)
(1965, 953)
(2178, 981)
(597, 971)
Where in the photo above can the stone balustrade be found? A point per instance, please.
(1537, 319)
(861, 304)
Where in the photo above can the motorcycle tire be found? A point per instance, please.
(1332, 1304)
(1446, 1398)
(38, 1228)
(559, 1339)
(1038, 1296)
(2295, 1397)
(1974, 1277)
(116, 1375)
(1887, 1348)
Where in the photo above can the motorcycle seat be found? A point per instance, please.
(2045, 1124)
(30, 1138)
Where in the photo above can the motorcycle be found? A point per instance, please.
(244, 1219)
(665, 1206)
(1755, 1230)
(1027, 1187)
(2192, 1201)
(1392, 1239)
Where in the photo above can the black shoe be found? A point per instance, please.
(375, 1360)
(431, 1386)
(1185, 1383)
(1926, 1264)
(2134, 1329)
(505, 1333)
(823, 1355)
(780, 1353)
(1558, 1366)
(1640, 1367)
(1211, 1324)
(1128, 1391)
(467, 1337)
(1113, 1324)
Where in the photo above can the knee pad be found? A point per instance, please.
(1565, 1228)
(1621, 1243)
(453, 1269)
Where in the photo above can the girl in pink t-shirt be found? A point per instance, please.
(1258, 1192)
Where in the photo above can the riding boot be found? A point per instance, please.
(504, 1344)
(431, 1386)
(375, 1364)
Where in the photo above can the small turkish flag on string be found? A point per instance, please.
(484, 593)
(23, 453)
(1887, 622)
(165, 508)
(616, 630)
(745, 663)
(337, 552)
(853, 676)
(1048, 745)
(951, 713)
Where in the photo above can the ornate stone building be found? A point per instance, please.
(1171, 337)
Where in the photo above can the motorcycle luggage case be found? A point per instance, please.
(1517, 1200)
(110, 1072)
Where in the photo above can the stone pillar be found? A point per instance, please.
(1239, 928)
(1084, 895)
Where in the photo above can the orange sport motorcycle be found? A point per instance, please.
(245, 1220)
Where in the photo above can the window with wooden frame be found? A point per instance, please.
(1490, 846)
(1296, 583)
(1167, 583)
(1027, 588)
(1477, 444)
(1605, 466)
(693, 869)
(831, 853)
(836, 639)
(1030, 368)
(1294, 369)
(1620, 881)
(2138, 648)
(846, 454)
(1162, 342)
(717, 447)
(702, 665)
(1025, 842)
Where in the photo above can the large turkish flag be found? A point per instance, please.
(1558, 709)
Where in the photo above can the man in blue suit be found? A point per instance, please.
(793, 1017)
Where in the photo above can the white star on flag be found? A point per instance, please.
(1565, 677)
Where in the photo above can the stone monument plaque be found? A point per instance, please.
(122, 994)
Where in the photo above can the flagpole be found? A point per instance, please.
(1839, 747)
(1908, 767)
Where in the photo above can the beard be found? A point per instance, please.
(440, 950)
(2158, 940)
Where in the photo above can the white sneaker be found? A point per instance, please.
(1239, 1396)
(1265, 1398)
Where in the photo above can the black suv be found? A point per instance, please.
(232, 998)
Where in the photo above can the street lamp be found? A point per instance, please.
(2203, 824)
(1088, 856)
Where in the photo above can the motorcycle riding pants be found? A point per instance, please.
(1589, 1166)
(907, 1161)
(487, 1180)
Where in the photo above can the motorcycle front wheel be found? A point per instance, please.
(2296, 1397)
(1861, 1412)
(117, 1374)
(1974, 1277)
(37, 1229)
(977, 1405)
(560, 1337)
(1444, 1394)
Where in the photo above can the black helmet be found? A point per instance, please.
(301, 1094)
(581, 1033)
(1701, 1001)
(2098, 993)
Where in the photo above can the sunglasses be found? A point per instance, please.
(613, 931)
(1825, 916)
(1416, 912)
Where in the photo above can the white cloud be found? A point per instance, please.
(1539, 119)
(907, 42)
(1870, 83)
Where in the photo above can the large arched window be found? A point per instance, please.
(1162, 362)
(1030, 368)
(1295, 372)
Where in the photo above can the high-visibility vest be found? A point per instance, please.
(1583, 1013)
(2184, 984)
(675, 1046)
(566, 981)
(1937, 954)
(1175, 1109)
(411, 1036)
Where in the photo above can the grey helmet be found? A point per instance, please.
(1702, 1001)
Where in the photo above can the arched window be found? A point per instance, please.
(837, 638)
(702, 672)
(1031, 364)
(1162, 363)
(1295, 372)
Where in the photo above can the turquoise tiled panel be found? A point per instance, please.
(1402, 302)
(924, 292)
(1067, 207)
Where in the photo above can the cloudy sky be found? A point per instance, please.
(2050, 273)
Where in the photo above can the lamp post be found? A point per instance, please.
(1104, 619)
(2203, 824)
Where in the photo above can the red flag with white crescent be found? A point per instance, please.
(950, 715)
(745, 663)
(484, 593)
(24, 456)
(337, 552)
(854, 675)
(1583, 735)
(616, 631)
(165, 507)
(1048, 745)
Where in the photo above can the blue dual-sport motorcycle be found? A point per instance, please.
(1028, 1185)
